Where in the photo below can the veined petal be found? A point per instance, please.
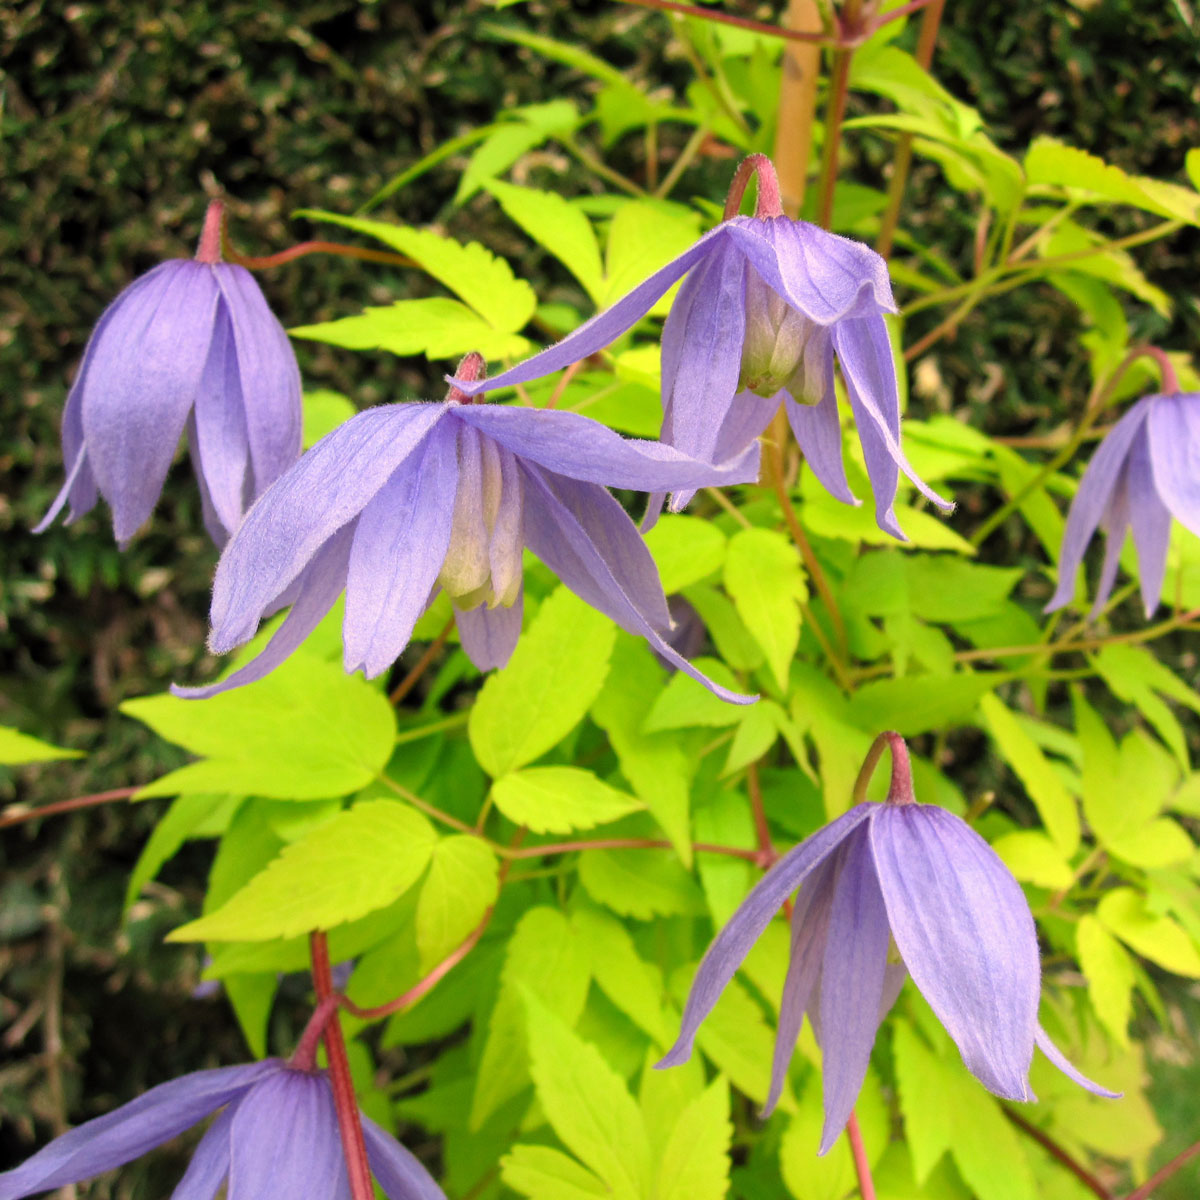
(1116, 525)
(810, 925)
(706, 325)
(319, 587)
(586, 538)
(577, 447)
(818, 431)
(140, 385)
(964, 930)
(284, 1141)
(79, 488)
(826, 277)
(1150, 520)
(1056, 1056)
(851, 983)
(753, 915)
(603, 328)
(865, 352)
(222, 451)
(396, 1170)
(398, 551)
(1173, 427)
(305, 507)
(127, 1133)
(268, 374)
(489, 635)
(209, 1167)
(1092, 499)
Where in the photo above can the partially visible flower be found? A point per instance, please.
(276, 1135)
(190, 344)
(407, 499)
(887, 889)
(767, 304)
(1146, 471)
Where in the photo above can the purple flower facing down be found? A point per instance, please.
(1146, 471)
(276, 1135)
(407, 499)
(189, 345)
(883, 890)
(767, 305)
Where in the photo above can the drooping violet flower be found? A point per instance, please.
(767, 304)
(1146, 471)
(901, 871)
(407, 499)
(190, 344)
(276, 1135)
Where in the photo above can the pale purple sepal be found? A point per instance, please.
(489, 635)
(209, 1168)
(1042, 1040)
(397, 1170)
(119, 1137)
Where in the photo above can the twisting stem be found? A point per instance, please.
(1052, 1148)
(304, 1057)
(349, 1123)
(17, 813)
(766, 202)
(839, 84)
(862, 1165)
(1164, 1173)
(900, 790)
(422, 664)
(902, 159)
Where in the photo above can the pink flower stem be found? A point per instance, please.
(349, 1123)
(900, 790)
(1170, 380)
(209, 249)
(862, 1166)
(767, 203)
(304, 1057)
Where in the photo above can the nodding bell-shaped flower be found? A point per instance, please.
(407, 499)
(276, 1135)
(767, 305)
(1146, 471)
(189, 345)
(904, 875)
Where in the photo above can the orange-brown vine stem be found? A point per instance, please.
(259, 262)
(422, 664)
(16, 814)
(354, 1148)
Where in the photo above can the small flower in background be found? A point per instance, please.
(406, 499)
(921, 877)
(190, 344)
(767, 305)
(1146, 471)
(277, 1135)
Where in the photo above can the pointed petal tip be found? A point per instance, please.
(1059, 1059)
(676, 1056)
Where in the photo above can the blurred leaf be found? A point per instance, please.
(686, 549)
(17, 747)
(324, 411)
(1123, 911)
(1109, 973)
(543, 1173)
(1033, 858)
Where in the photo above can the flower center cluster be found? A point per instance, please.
(483, 563)
(782, 347)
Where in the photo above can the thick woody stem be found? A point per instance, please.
(209, 249)
(349, 1123)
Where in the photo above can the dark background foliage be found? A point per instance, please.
(117, 122)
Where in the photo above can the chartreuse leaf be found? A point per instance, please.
(928, 1120)
(529, 126)
(728, 631)
(695, 1163)
(557, 225)
(764, 579)
(555, 673)
(543, 1173)
(360, 861)
(1054, 803)
(686, 549)
(324, 410)
(643, 236)
(306, 731)
(17, 747)
(1033, 858)
(895, 1179)
(587, 1103)
(640, 883)
(543, 957)
(1123, 911)
(461, 885)
(560, 799)
(1110, 975)
(918, 703)
(685, 703)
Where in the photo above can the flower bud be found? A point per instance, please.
(782, 348)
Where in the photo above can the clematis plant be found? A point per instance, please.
(882, 873)
(1146, 471)
(190, 344)
(406, 499)
(767, 305)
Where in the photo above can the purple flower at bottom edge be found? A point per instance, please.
(277, 1135)
(923, 877)
(1146, 471)
(767, 304)
(406, 499)
(187, 345)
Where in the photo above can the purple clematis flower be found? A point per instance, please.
(190, 344)
(276, 1135)
(1146, 471)
(767, 304)
(407, 499)
(880, 879)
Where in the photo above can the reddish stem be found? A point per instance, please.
(209, 249)
(18, 813)
(349, 1123)
(1170, 380)
(407, 684)
(304, 1057)
(762, 831)
(1052, 1148)
(767, 203)
(257, 263)
(900, 791)
(862, 1165)
(708, 14)
(628, 844)
(1164, 1173)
